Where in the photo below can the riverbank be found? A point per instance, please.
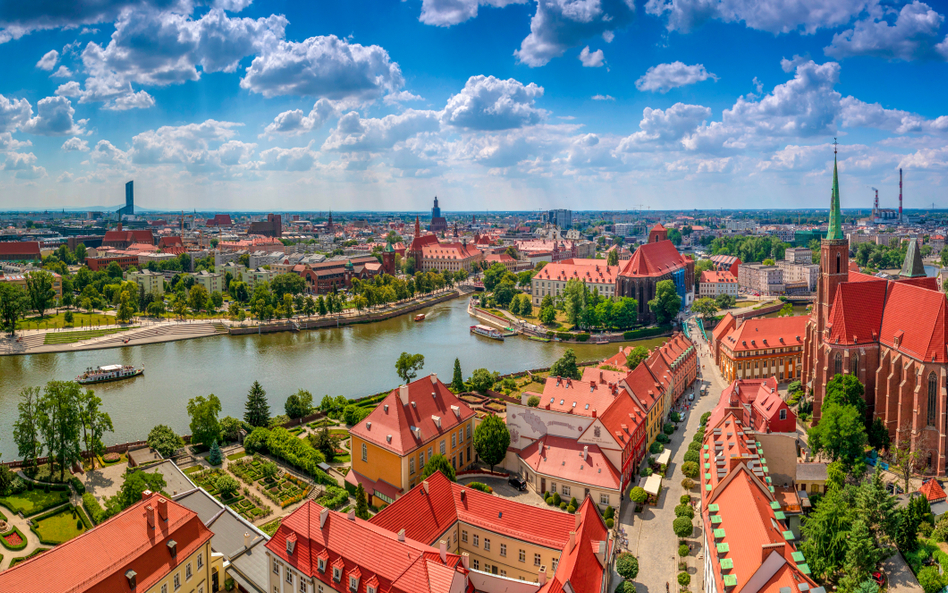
(119, 336)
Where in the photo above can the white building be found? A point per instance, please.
(149, 281)
(211, 281)
(714, 283)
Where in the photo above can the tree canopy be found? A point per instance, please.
(491, 439)
(408, 365)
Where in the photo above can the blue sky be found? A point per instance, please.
(489, 104)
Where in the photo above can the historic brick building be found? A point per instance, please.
(651, 263)
(890, 334)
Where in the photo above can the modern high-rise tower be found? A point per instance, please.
(129, 208)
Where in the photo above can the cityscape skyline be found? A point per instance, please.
(239, 106)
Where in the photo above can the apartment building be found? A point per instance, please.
(20, 280)
(414, 422)
(211, 281)
(594, 273)
(713, 283)
(760, 348)
(765, 280)
(150, 282)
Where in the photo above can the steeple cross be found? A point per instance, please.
(835, 143)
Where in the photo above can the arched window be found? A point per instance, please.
(838, 364)
(854, 364)
(838, 262)
(932, 388)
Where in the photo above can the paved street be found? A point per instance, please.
(650, 533)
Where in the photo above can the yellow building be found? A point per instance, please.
(416, 421)
(154, 546)
(20, 280)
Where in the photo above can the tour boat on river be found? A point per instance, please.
(420, 317)
(111, 372)
(487, 332)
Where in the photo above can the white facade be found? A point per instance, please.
(212, 282)
(149, 281)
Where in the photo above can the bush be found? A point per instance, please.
(563, 506)
(687, 483)
(256, 441)
(662, 438)
(556, 498)
(625, 587)
(333, 497)
(656, 448)
(550, 501)
(646, 472)
(685, 499)
(77, 485)
(695, 446)
(668, 428)
(582, 337)
(644, 332)
(533, 401)
(692, 456)
(610, 523)
(690, 469)
(684, 579)
(609, 513)
(682, 527)
(571, 509)
(294, 451)
(638, 494)
(930, 580)
(926, 529)
(482, 487)
(704, 418)
(684, 510)
(573, 503)
(95, 510)
(683, 550)
(627, 566)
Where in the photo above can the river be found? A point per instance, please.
(353, 361)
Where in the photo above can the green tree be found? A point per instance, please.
(493, 275)
(666, 303)
(257, 408)
(825, 532)
(491, 439)
(725, 301)
(164, 440)
(95, 423)
(876, 508)
(613, 258)
(362, 503)
(81, 253)
(408, 365)
(841, 434)
(636, 356)
(198, 298)
(786, 310)
(227, 486)
(930, 580)
(439, 462)
(13, 303)
(39, 287)
(482, 380)
(627, 566)
(26, 428)
(457, 382)
(113, 270)
(638, 495)
(299, 404)
(217, 299)
(284, 284)
(132, 488)
(60, 423)
(565, 366)
(548, 315)
(706, 307)
(324, 442)
(682, 527)
(215, 457)
(846, 390)
(230, 429)
(125, 309)
(203, 411)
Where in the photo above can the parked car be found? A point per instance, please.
(517, 482)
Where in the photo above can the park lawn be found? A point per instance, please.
(59, 528)
(347, 458)
(58, 321)
(194, 469)
(34, 501)
(271, 527)
(78, 336)
(235, 456)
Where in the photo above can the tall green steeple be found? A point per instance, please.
(835, 230)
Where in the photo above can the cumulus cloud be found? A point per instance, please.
(105, 153)
(488, 103)
(13, 113)
(773, 16)
(54, 118)
(139, 100)
(21, 18)
(76, 144)
(301, 158)
(24, 165)
(188, 144)
(661, 127)
(295, 122)
(8, 142)
(62, 72)
(665, 77)
(603, 98)
(561, 24)
(324, 66)
(355, 134)
(48, 61)
(913, 35)
(592, 59)
(858, 114)
(444, 13)
(232, 5)
(401, 97)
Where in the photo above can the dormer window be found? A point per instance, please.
(321, 565)
(353, 583)
(336, 574)
(371, 589)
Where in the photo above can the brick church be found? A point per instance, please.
(890, 334)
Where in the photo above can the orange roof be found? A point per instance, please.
(563, 458)
(98, 560)
(933, 491)
(763, 333)
(594, 272)
(713, 277)
(582, 398)
(654, 259)
(584, 564)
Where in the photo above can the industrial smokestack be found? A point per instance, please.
(900, 195)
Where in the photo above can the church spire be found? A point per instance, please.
(835, 231)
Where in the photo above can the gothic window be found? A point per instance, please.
(932, 388)
(838, 262)
(838, 364)
(854, 364)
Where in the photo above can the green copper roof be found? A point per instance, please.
(804, 568)
(730, 580)
(719, 533)
(797, 557)
(775, 505)
(723, 548)
(912, 267)
(835, 229)
(727, 564)
(780, 516)
(713, 508)
(788, 534)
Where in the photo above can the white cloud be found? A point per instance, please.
(76, 144)
(488, 103)
(561, 24)
(857, 114)
(401, 97)
(105, 153)
(926, 158)
(69, 89)
(8, 142)
(17, 161)
(13, 113)
(355, 134)
(773, 16)
(913, 35)
(48, 61)
(323, 66)
(54, 118)
(188, 144)
(139, 100)
(232, 5)
(62, 72)
(592, 59)
(663, 127)
(665, 77)
(603, 98)
(444, 13)
(301, 158)
(295, 123)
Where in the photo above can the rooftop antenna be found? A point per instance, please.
(900, 195)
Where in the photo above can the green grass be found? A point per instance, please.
(649, 343)
(73, 337)
(235, 456)
(122, 459)
(193, 469)
(59, 528)
(342, 458)
(58, 321)
(271, 527)
(35, 501)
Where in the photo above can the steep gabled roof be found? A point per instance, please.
(856, 315)
(579, 568)
(654, 259)
(933, 491)
(768, 332)
(918, 316)
(561, 457)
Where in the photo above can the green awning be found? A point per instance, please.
(768, 480)
(705, 447)
(730, 580)
(771, 488)
(723, 548)
(707, 476)
(788, 535)
(727, 564)
(780, 516)
(766, 470)
(804, 568)
(707, 487)
(763, 461)
(713, 508)
(716, 519)
(707, 456)
(707, 466)
(775, 505)
(719, 533)
(798, 557)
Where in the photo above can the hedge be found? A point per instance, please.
(77, 485)
(23, 542)
(333, 497)
(294, 451)
(95, 510)
(582, 337)
(481, 486)
(645, 332)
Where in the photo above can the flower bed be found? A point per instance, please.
(285, 489)
(249, 506)
(13, 540)
(271, 527)
(496, 406)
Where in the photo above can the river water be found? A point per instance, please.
(352, 361)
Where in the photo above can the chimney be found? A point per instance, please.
(579, 519)
(434, 378)
(246, 540)
(163, 508)
(541, 448)
(766, 549)
(457, 411)
(401, 535)
(572, 541)
(594, 412)
(290, 543)
(323, 515)
(462, 495)
(146, 494)
(150, 515)
(437, 421)
(443, 547)
(541, 577)
(403, 394)
(733, 462)
(466, 560)
(585, 451)
(425, 486)
(352, 514)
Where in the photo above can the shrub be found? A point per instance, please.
(582, 337)
(683, 550)
(533, 401)
(573, 503)
(609, 513)
(610, 523)
(77, 485)
(656, 448)
(638, 494)
(684, 579)
(646, 472)
(690, 469)
(684, 510)
(482, 487)
(333, 497)
(627, 566)
(682, 526)
(692, 456)
(684, 499)
(256, 441)
(687, 483)
(930, 580)
(926, 529)
(111, 457)
(95, 510)
(556, 498)
(550, 501)
(662, 438)
(571, 509)
(695, 446)
(563, 506)
(294, 451)
(705, 417)
(668, 428)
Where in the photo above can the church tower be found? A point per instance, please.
(834, 256)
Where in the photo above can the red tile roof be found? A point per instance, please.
(594, 272)
(30, 248)
(933, 491)
(562, 458)
(135, 236)
(414, 405)
(364, 550)
(925, 335)
(644, 386)
(580, 565)
(654, 259)
(745, 395)
(425, 516)
(856, 315)
(767, 332)
(713, 277)
(575, 397)
(97, 560)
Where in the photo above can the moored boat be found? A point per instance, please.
(111, 372)
(487, 332)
